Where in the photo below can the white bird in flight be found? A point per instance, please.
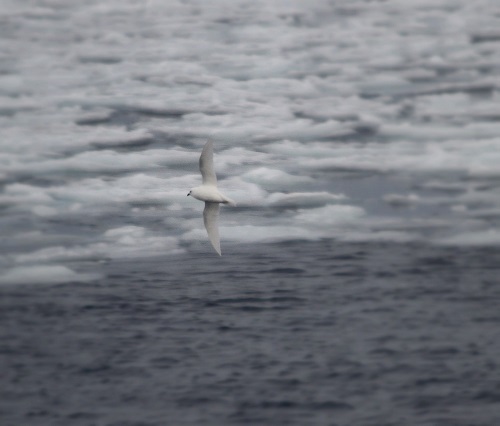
(209, 193)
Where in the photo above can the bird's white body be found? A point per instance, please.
(209, 193)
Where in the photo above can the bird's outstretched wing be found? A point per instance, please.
(207, 164)
(211, 218)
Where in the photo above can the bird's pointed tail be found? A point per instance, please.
(228, 200)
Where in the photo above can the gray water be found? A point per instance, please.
(359, 278)
(365, 334)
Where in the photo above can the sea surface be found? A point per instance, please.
(359, 278)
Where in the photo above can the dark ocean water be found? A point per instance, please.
(315, 333)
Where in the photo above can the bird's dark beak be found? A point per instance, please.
(188, 195)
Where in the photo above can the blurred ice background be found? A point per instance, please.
(353, 120)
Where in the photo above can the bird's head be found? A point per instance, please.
(189, 193)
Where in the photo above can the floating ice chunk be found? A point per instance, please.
(401, 199)
(459, 208)
(488, 237)
(20, 195)
(420, 74)
(107, 161)
(307, 130)
(44, 274)
(370, 235)
(82, 195)
(11, 85)
(331, 215)
(255, 233)
(385, 84)
(99, 116)
(126, 234)
(110, 137)
(23, 138)
(124, 242)
(288, 87)
(44, 211)
(445, 186)
(303, 199)
(247, 193)
(229, 158)
(272, 126)
(10, 106)
(293, 149)
(275, 179)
